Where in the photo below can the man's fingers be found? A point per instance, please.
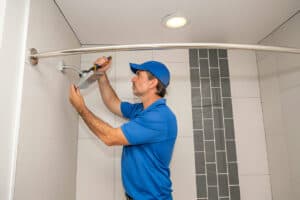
(103, 61)
(77, 91)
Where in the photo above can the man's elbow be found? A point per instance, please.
(110, 143)
(115, 137)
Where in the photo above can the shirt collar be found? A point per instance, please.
(160, 101)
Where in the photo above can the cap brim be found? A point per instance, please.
(134, 67)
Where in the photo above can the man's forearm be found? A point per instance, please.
(108, 94)
(100, 128)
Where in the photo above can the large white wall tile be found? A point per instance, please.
(279, 166)
(183, 169)
(172, 55)
(95, 177)
(119, 190)
(179, 97)
(250, 136)
(255, 187)
(243, 73)
(126, 57)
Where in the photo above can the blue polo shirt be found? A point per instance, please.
(151, 134)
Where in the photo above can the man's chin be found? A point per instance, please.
(136, 93)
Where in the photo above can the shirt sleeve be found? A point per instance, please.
(128, 109)
(145, 129)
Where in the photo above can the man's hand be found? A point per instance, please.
(76, 99)
(104, 62)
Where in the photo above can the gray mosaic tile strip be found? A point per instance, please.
(227, 106)
(208, 129)
(213, 125)
(235, 192)
(233, 174)
(220, 140)
(224, 69)
(223, 185)
(205, 87)
(198, 140)
(193, 58)
(214, 77)
(218, 118)
(221, 162)
(201, 186)
(203, 53)
(195, 80)
(196, 97)
(200, 162)
(212, 193)
(231, 152)
(229, 130)
(197, 118)
(216, 97)
(222, 53)
(211, 175)
(204, 71)
(225, 84)
(209, 151)
(213, 58)
(207, 108)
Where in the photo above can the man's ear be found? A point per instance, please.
(154, 83)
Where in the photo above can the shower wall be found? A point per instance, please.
(47, 145)
(254, 175)
(229, 138)
(280, 90)
(13, 28)
(98, 173)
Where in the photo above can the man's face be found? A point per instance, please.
(141, 83)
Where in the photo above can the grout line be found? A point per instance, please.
(202, 121)
(61, 12)
(215, 148)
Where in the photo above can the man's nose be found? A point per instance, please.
(133, 79)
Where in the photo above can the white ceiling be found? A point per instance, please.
(139, 21)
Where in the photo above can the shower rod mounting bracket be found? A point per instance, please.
(33, 59)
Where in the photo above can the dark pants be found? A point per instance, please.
(128, 197)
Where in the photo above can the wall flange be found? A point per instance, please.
(32, 59)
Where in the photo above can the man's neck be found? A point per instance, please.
(148, 100)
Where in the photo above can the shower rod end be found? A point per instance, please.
(32, 59)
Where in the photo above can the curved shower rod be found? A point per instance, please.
(34, 55)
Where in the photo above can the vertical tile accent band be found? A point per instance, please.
(214, 141)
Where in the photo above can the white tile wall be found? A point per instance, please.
(255, 187)
(248, 124)
(95, 175)
(183, 169)
(279, 80)
(172, 55)
(250, 136)
(243, 74)
(47, 146)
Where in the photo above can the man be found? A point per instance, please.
(148, 137)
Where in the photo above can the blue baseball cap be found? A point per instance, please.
(157, 69)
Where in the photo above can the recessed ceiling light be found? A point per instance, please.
(175, 20)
